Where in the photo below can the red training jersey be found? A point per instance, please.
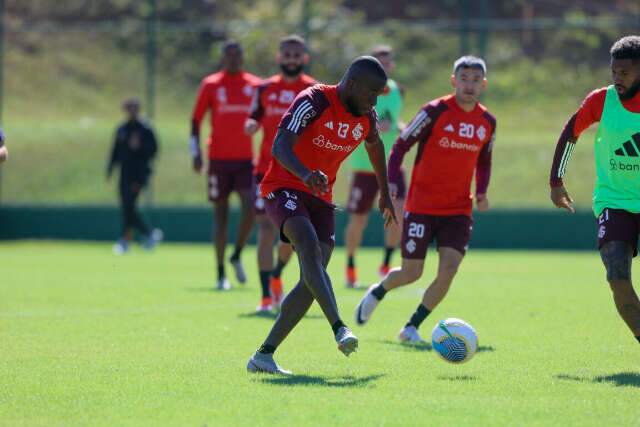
(228, 96)
(589, 113)
(327, 134)
(453, 144)
(270, 101)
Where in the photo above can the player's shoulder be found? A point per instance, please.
(213, 78)
(487, 115)
(438, 105)
(596, 95)
(269, 82)
(251, 78)
(318, 92)
(308, 80)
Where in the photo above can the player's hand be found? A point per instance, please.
(482, 202)
(388, 211)
(318, 182)
(197, 164)
(251, 126)
(384, 125)
(561, 199)
(393, 191)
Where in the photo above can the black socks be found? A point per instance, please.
(235, 256)
(221, 271)
(379, 292)
(339, 324)
(638, 338)
(387, 256)
(266, 349)
(418, 317)
(350, 262)
(265, 277)
(278, 270)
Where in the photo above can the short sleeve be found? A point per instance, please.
(305, 109)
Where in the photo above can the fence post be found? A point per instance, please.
(465, 13)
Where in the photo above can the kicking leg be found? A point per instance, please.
(353, 238)
(617, 256)
(285, 251)
(221, 213)
(244, 231)
(266, 239)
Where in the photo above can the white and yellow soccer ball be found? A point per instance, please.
(454, 340)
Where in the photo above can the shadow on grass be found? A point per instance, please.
(621, 379)
(457, 378)
(426, 346)
(271, 315)
(212, 289)
(311, 380)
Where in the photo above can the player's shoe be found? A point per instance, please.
(347, 342)
(352, 278)
(276, 291)
(383, 271)
(409, 334)
(239, 270)
(265, 305)
(223, 284)
(264, 363)
(153, 239)
(121, 247)
(365, 308)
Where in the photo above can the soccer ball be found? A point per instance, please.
(454, 340)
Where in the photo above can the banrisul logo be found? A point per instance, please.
(629, 148)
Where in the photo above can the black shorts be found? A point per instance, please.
(285, 203)
(619, 225)
(419, 230)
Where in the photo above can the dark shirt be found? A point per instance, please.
(133, 149)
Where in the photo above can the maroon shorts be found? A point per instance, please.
(619, 225)
(226, 176)
(418, 231)
(258, 201)
(285, 203)
(364, 188)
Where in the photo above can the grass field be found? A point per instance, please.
(87, 338)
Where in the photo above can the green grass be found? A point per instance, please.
(87, 338)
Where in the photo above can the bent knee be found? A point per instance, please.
(412, 273)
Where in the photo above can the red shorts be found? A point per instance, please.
(619, 225)
(285, 203)
(226, 176)
(419, 230)
(364, 188)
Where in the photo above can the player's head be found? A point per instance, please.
(292, 55)
(384, 54)
(625, 66)
(131, 107)
(232, 56)
(469, 78)
(361, 85)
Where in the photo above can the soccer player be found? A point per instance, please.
(320, 129)
(133, 150)
(4, 153)
(364, 186)
(270, 102)
(227, 94)
(455, 137)
(616, 197)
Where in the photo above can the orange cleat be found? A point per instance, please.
(265, 305)
(352, 277)
(276, 291)
(383, 271)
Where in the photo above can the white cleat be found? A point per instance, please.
(223, 284)
(239, 270)
(347, 342)
(365, 308)
(121, 247)
(153, 239)
(264, 363)
(409, 334)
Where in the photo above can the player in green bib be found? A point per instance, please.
(616, 196)
(364, 186)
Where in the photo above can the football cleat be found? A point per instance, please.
(409, 334)
(264, 363)
(276, 291)
(121, 247)
(239, 270)
(223, 284)
(365, 308)
(352, 278)
(347, 342)
(265, 305)
(383, 271)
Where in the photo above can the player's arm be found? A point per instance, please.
(252, 124)
(4, 153)
(199, 110)
(589, 112)
(483, 173)
(282, 151)
(116, 155)
(375, 150)
(151, 148)
(418, 129)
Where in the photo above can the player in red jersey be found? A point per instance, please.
(227, 94)
(320, 129)
(270, 102)
(455, 137)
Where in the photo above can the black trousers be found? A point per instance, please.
(131, 219)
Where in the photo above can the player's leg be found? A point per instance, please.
(243, 182)
(285, 251)
(353, 238)
(417, 233)
(617, 256)
(124, 193)
(220, 232)
(266, 240)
